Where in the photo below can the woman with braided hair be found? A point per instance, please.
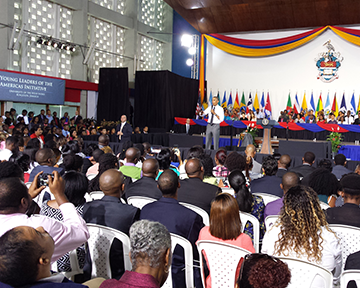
(303, 232)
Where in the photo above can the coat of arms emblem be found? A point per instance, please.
(328, 63)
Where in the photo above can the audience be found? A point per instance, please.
(220, 170)
(270, 183)
(129, 169)
(11, 147)
(303, 232)
(178, 220)
(47, 160)
(247, 202)
(150, 254)
(111, 212)
(283, 165)
(339, 169)
(225, 226)
(306, 168)
(106, 161)
(250, 153)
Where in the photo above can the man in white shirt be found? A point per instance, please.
(215, 115)
(11, 145)
(349, 119)
(48, 115)
(24, 116)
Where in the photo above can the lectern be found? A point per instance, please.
(266, 144)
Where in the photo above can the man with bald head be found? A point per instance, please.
(109, 211)
(132, 156)
(290, 179)
(46, 159)
(193, 190)
(146, 186)
(104, 141)
(177, 219)
(124, 130)
(283, 165)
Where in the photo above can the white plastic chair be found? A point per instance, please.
(270, 220)
(96, 195)
(349, 275)
(188, 253)
(349, 239)
(267, 197)
(228, 190)
(304, 274)
(222, 261)
(139, 201)
(245, 217)
(99, 244)
(204, 215)
(74, 264)
(323, 205)
(39, 198)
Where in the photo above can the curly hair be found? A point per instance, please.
(235, 161)
(324, 182)
(301, 221)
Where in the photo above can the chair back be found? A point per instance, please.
(267, 197)
(349, 275)
(222, 260)
(323, 205)
(270, 220)
(305, 274)
(91, 176)
(74, 264)
(204, 215)
(99, 244)
(188, 253)
(139, 201)
(96, 195)
(228, 190)
(245, 217)
(349, 239)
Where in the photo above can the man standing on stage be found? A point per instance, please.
(215, 115)
(124, 130)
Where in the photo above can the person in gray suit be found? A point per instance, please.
(306, 168)
(283, 165)
(339, 169)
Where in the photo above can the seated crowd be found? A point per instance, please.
(60, 174)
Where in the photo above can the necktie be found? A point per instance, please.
(212, 116)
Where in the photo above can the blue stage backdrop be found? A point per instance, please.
(32, 89)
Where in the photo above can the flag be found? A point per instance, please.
(243, 103)
(319, 106)
(296, 105)
(353, 106)
(256, 103)
(288, 105)
(335, 108)
(236, 103)
(198, 106)
(262, 102)
(304, 103)
(312, 103)
(229, 104)
(268, 107)
(204, 103)
(358, 109)
(223, 103)
(343, 104)
(210, 98)
(327, 107)
(249, 104)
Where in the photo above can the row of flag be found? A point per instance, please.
(334, 108)
(263, 105)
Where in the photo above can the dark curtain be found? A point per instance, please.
(113, 100)
(162, 95)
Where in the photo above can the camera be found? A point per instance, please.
(43, 179)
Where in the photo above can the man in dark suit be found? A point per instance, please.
(349, 213)
(187, 128)
(56, 119)
(270, 183)
(306, 168)
(283, 165)
(339, 169)
(77, 117)
(146, 186)
(111, 212)
(124, 130)
(41, 116)
(177, 219)
(193, 190)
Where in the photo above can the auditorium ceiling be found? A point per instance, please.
(224, 16)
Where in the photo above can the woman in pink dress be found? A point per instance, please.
(225, 226)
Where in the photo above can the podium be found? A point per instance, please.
(266, 144)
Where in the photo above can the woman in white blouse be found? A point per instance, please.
(303, 232)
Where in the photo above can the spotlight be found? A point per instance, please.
(72, 49)
(189, 62)
(192, 50)
(54, 44)
(47, 42)
(186, 40)
(40, 41)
